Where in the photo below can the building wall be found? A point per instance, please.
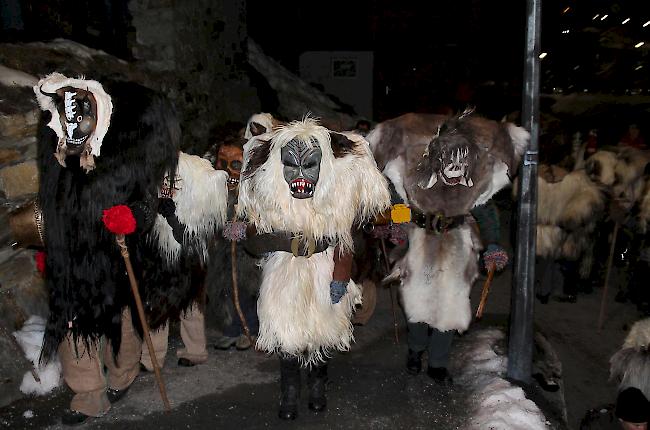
(347, 75)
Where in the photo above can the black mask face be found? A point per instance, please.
(78, 116)
(301, 167)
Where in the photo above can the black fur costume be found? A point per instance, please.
(85, 273)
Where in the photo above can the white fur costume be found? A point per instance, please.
(201, 200)
(294, 308)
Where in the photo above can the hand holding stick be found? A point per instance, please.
(120, 221)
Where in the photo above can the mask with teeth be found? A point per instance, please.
(78, 115)
(168, 189)
(230, 159)
(451, 159)
(301, 161)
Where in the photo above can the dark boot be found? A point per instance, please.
(289, 387)
(317, 383)
(414, 362)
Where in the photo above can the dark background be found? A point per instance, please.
(430, 56)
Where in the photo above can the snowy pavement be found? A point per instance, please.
(369, 388)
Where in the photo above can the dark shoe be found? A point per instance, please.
(549, 384)
(184, 362)
(414, 362)
(440, 376)
(243, 343)
(115, 395)
(290, 389)
(73, 418)
(543, 298)
(568, 298)
(317, 383)
(225, 342)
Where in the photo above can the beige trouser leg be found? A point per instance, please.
(193, 335)
(159, 338)
(84, 375)
(123, 371)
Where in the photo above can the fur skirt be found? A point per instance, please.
(437, 274)
(296, 315)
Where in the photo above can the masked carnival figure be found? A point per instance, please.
(302, 191)
(99, 146)
(227, 155)
(445, 169)
(192, 207)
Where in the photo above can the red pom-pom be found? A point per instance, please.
(39, 257)
(119, 220)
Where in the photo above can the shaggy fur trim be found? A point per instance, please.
(85, 277)
(350, 189)
(639, 335)
(631, 367)
(295, 310)
(201, 205)
(601, 167)
(631, 364)
(55, 81)
(437, 274)
(570, 202)
(265, 120)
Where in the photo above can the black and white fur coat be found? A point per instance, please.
(135, 143)
(173, 273)
(438, 270)
(295, 311)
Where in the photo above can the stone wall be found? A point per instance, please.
(21, 289)
(203, 44)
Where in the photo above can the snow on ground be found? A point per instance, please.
(498, 403)
(30, 339)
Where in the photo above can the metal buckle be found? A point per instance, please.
(295, 246)
(435, 223)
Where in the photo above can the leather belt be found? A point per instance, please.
(435, 222)
(296, 244)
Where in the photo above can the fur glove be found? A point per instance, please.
(495, 255)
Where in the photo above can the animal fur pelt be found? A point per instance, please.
(631, 364)
(173, 279)
(295, 311)
(415, 148)
(260, 123)
(437, 271)
(86, 280)
(567, 212)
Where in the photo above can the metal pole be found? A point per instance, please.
(520, 347)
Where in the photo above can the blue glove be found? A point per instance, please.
(338, 290)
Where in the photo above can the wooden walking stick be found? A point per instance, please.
(119, 220)
(235, 292)
(484, 292)
(390, 290)
(610, 259)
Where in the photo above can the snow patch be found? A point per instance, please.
(30, 339)
(498, 404)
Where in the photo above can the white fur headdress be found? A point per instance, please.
(201, 200)
(349, 188)
(55, 81)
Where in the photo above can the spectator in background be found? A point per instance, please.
(633, 138)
